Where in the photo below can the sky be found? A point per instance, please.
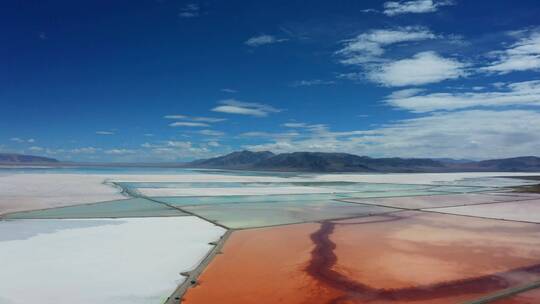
(170, 80)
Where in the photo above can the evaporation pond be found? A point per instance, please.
(136, 207)
(402, 257)
(245, 215)
(432, 201)
(528, 211)
(105, 261)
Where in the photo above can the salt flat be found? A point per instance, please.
(413, 178)
(398, 178)
(121, 261)
(19, 192)
(234, 191)
(527, 210)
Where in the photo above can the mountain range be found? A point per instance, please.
(13, 158)
(344, 162)
(313, 162)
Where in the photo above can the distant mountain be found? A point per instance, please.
(522, 164)
(235, 160)
(316, 162)
(12, 158)
(344, 162)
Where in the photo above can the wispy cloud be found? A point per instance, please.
(227, 90)
(232, 106)
(422, 68)
(85, 150)
(521, 56)
(263, 40)
(211, 133)
(188, 124)
(22, 140)
(172, 150)
(462, 134)
(392, 8)
(312, 82)
(191, 10)
(195, 118)
(120, 151)
(370, 46)
(520, 93)
(104, 133)
(36, 149)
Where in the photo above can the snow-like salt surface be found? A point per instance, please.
(19, 192)
(105, 261)
(414, 178)
(23, 191)
(397, 178)
(234, 191)
(527, 211)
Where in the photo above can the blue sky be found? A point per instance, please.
(168, 80)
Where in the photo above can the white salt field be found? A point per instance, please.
(90, 261)
(125, 238)
(524, 210)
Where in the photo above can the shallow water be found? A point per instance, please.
(404, 257)
(136, 207)
(247, 215)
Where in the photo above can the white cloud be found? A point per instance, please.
(227, 90)
(232, 106)
(520, 93)
(36, 149)
(302, 125)
(370, 46)
(188, 124)
(294, 125)
(191, 10)
(465, 134)
(194, 118)
(104, 133)
(312, 82)
(173, 150)
(392, 8)
(120, 151)
(520, 56)
(263, 40)
(85, 150)
(258, 134)
(22, 140)
(211, 133)
(422, 68)
(213, 144)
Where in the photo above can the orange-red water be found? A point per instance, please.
(405, 257)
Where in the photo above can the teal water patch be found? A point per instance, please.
(491, 182)
(349, 186)
(433, 201)
(462, 189)
(236, 199)
(249, 215)
(136, 207)
(182, 185)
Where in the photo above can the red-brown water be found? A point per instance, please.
(405, 257)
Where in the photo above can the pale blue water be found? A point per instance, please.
(144, 170)
(248, 215)
(136, 207)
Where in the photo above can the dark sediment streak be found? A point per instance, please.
(323, 260)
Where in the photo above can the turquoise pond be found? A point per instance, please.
(250, 215)
(235, 199)
(136, 207)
